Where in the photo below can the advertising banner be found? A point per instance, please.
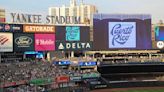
(11, 27)
(11, 57)
(90, 75)
(2, 19)
(158, 45)
(64, 62)
(62, 79)
(42, 81)
(159, 33)
(44, 42)
(99, 86)
(69, 46)
(75, 78)
(159, 37)
(9, 84)
(73, 33)
(122, 34)
(21, 82)
(88, 63)
(23, 42)
(39, 28)
(6, 42)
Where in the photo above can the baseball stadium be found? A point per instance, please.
(65, 53)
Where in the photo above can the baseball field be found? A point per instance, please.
(143, 90)
(140, 89)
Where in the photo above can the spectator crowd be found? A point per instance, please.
(13, 72)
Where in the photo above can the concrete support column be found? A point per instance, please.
(149, 55)
(24, 56)
(93, 56)
(48, 56)
(85, 54)
(103, 56)
(72, 54)
(0, 57)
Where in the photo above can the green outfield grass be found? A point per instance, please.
(143, 90)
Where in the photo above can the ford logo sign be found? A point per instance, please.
(23, 41)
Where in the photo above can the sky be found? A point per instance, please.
(153, 7)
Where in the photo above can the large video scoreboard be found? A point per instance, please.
(115, 32)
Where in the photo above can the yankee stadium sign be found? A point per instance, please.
(29, 18)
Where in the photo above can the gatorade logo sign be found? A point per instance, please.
(39, 28)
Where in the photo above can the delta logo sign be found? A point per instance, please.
(122, 34)
(69, 46)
